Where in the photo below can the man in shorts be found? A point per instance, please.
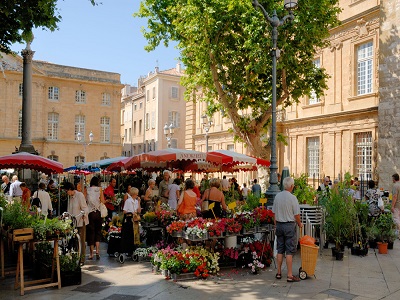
(287, 214)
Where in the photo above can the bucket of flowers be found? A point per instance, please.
(166, 215)
(232, 227)
(70, 269)
(196, 230)
(246, 218)
(175, 229)
(264, 218)
(150, 219)
(216, 228)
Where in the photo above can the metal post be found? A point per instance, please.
(275, 22)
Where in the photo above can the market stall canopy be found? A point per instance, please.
(95, 166)
(231, 158)
(24, 160)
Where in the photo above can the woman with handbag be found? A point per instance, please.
(130, 235)
(213, 195)
(187, 202)
(94, 196)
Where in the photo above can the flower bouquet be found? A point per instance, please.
(255, 265)
(216, 228)
(263, 215)
(246, 218)
(232, 226)
(166, 215)
(118, 199)
(196, 229)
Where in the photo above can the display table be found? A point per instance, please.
(25, 236)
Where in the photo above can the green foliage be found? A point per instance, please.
(19, 17)
(252, 202)
(231, 195)
(304, 192)
(340, 215)
(226, 45)
(16, 216)
(383, 227)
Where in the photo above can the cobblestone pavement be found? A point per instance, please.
(376, 276)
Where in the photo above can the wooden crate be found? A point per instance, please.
(22, 235)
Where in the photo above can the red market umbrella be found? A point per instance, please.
(234, 159)
(24, 160)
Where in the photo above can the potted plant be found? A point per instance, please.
(304, 192)
(383, 229)
(339, 218)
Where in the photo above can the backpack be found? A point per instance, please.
(36, 201)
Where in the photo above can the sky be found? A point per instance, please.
(105, 37)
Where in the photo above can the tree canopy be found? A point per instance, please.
(226, 48)
(19, 17)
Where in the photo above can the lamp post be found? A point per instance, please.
(206, 125)
(79, 137)
(275, 22)
(169, 132)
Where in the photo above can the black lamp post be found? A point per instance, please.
(275, 22)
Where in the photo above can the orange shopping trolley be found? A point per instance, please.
(309, 255)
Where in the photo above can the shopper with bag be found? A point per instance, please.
(130, 235)
(187, 202)
(373, 196)
(94, 196)
(287, 214)
(213, 195)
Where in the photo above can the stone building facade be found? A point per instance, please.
(339, 132)
(389, 92)
(158, 100)
(65, 100)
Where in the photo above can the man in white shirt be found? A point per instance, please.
(45, 200)
(15, 189)
(224, 184)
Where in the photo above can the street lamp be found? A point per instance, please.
(206, 125)
(79, 137)
(169, 132)
(275, 22)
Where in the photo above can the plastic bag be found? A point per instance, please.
(275, 246)
(381, 205)
(307, 240)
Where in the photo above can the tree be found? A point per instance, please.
(19, 17)
(226, 45)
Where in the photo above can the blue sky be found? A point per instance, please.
(105, 37)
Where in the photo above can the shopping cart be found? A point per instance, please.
(309, 255)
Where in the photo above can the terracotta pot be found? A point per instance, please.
(382, 248)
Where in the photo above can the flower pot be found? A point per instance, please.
(183, 276)
(390, 245)
(177, 234)
(382, 248)
(69, 278)
(249, 231)
(231, 241)
(221, 235)
(339, 255)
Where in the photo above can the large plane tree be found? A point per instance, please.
(225, 46)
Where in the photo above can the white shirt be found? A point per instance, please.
(225, 184)
(45, 200)
(131, 205)
(77, 203)
(15, 190)
(245, 191)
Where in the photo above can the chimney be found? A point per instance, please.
(178, 67)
